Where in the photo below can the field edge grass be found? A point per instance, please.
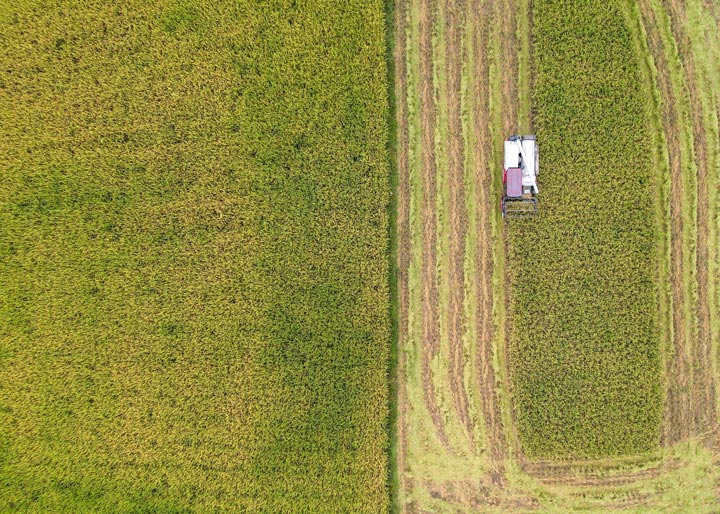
(393, 356)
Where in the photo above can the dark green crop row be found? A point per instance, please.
(584, 346)
(193, 256)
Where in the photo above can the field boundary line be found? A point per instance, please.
(399, 244)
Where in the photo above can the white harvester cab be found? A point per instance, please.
(520, 170)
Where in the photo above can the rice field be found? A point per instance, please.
(193, 257)
(252, 260)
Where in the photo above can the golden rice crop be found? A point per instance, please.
(193, 256)
(584, 346)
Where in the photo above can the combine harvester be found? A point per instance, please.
(522, 166)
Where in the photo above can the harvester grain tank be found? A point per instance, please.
(520, 170)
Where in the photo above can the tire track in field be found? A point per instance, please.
(402, 221)
(579, 474)
(703, 384)
(455, 22)
(481, 10)
(479, 496)
(504, 28)
(508, 68)
(430, 296)
(677, 415)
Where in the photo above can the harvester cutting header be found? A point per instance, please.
(520, 171)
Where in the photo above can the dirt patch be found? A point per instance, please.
(479, 496)
(677, 415)
(455, 20)
(430, 297)
(703, 384)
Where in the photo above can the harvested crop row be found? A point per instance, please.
(452, 427)
(584, 349)
(691, 34)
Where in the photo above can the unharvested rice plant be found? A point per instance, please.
(288, 257)
(193, 263)
(584, 345)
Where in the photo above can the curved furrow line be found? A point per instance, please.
(703, 383)
(677, 412)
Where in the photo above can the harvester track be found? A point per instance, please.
(450, 121)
